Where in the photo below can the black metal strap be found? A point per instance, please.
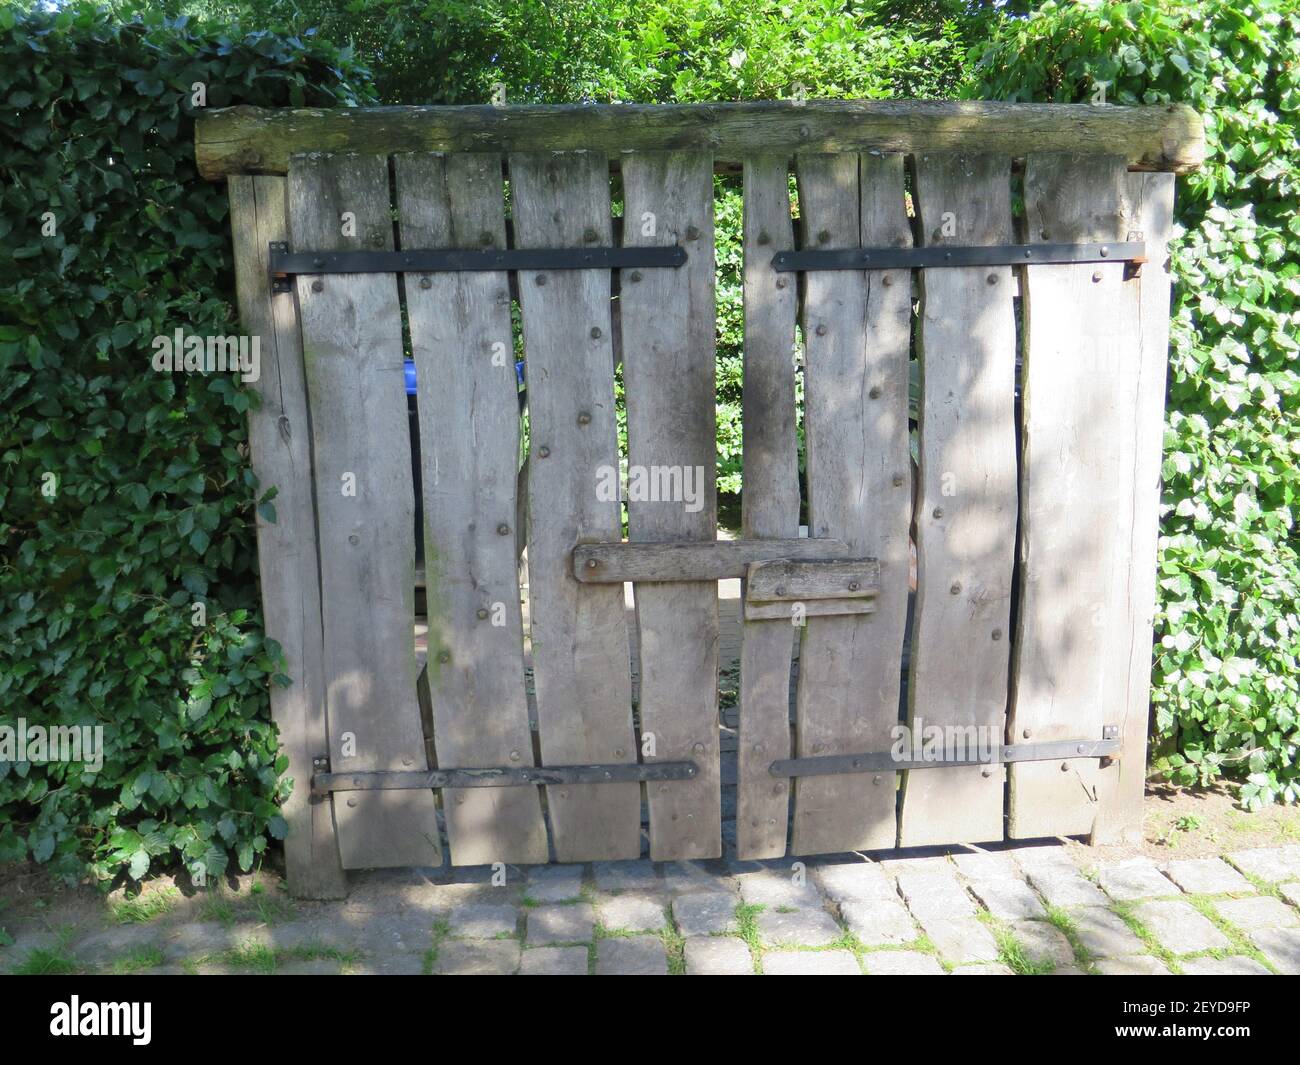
(322, 783)
(952, 255)
(284, 263)
(884, 761)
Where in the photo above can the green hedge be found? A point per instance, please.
(148, 499)
(1228, 630)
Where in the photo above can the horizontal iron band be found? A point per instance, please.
(884, 761)
(322, 784)
(952, 255)
(439, 260)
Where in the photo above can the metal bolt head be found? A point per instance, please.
(354, 539)
(318, 261)
(898, 480)
(781, 282)
(592, 563)
(692, 233)
(698, 748)
(780, 591)
(853, 586)
(618, 752)
(444, 656)
(589, 235)
(997, 634)
(887, 280)
(956, 588)
(352, 802)
(485, 239)
(1104, 251)
(1096, 276)
(482, 612)
(584, 418)
(503, 529)
(635, 275)
(824, 237)
(1065, 767)
(874, 393)
(541, 279)
(820, 330)
(595, 332)
(938, 512)
(426, 282)
(763, 238)
(318, 285)
(1026, 734)
(543, 451)
(875, 779)
(992, 279)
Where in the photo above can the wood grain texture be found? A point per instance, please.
(856, 329)
(249, 139)
(1147, 209)
(967, 507)
(280, 444)
(788, 581)
(463, 348)
(352, 347)
(769, 503)
(667, 318)
(712, 560)
(1082, 358)
(582, 662)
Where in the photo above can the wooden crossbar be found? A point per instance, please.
(244, 140)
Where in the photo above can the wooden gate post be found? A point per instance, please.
(280, 439)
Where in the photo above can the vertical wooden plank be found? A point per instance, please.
(966, 510)
(280, 441)
(352, 347)
(581, 659)
(465, 375)
(769, 502)
(668, 322)
(1080, 382)
(1148, 214)
(855, 416)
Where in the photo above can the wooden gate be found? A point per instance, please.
(1017, 252)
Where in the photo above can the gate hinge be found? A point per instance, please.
(284, 264)
(941, 255)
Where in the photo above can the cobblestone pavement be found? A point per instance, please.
(1014, 911)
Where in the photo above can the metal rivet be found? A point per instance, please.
(592, 563)
(698, 748)
(824, 237)
(543, 451)
(1044, 235)
(618, 752)
(887, 280)
(541, 279)
(875, 780)
(820, 330)
(780, 591)
(584, 418)
(898, 480)
(763, 238)
(874, 393)
(426, 282)
(503, 529)
(318, 285)
(956, 588)
(692, 233)
(1065, 767)
(595, 332)
(482, 612)
(352, 802)
(997, 634)
(1025, 734)
(777, 789)
(938, 512)
(635, 275)
(992, 279)
(1105, 251)
(318, 261)
(853, 586)
(1081, 749)
(354, 539)
(758, 748)
(986, 772)
(589, 235)
(1096, 276)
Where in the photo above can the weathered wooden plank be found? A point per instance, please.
(714, 560)
(280, 443)
(856, 328)
(788, 581)
(468, 402)
(966, 510)
(1148, 209)
(581, 658)
(352, 345)
(795, 613)
(1072, 659)
(769, 503)
(668, 320)
(248, 139)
